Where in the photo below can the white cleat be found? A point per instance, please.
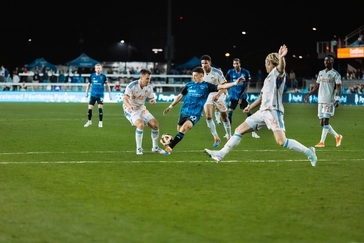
(255, 135)
(214, 155)
(88, 123)
(139, 151)
(159, 150)
(100, 124)
(312, 157)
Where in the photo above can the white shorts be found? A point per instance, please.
(220, 104)
(272, 119)
(133, 115)
(325, 110)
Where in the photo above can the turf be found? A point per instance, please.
(61, 182)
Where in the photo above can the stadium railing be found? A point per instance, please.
(162, 83)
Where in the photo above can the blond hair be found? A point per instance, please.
(273, 58)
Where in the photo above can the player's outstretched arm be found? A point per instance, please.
(175, 102)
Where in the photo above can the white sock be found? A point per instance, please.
(332, 131)
(227, 129)
(217, 116)
(296, 146)
(155, 135)
(325, 130)
(233, 142)
(212, 126)
(138, 138)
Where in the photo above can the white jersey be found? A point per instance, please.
(138, 95)
(215, 76)
(327, 81)
(272, 91)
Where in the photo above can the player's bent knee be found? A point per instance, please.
(280, 142)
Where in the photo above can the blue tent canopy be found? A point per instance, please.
(190, 64)
(83, 61)
(40, 62)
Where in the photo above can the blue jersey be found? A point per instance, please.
(195, 96)
(97, 85)
(236, 92)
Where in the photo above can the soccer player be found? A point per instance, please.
(270, 113)
(328, 84)
(237, 94)
(136, 93)
(216, 99)
(194, 96)
(97, 82)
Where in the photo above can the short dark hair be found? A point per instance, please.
(206, 57)
(330, 55)
(198, 70)
(144, 71)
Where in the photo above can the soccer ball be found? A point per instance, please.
(166, 139)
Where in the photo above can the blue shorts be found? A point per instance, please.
(183, 118)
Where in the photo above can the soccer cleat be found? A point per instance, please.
(214, 155)
(255, 135)
(139, 151)
(338, 140)
(168, 150)
(321, 145)
(312, 156)
(159, 150)
(100, 124)
(218, 122)
(216, 142)
(88, 123)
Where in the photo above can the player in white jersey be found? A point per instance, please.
(270, 113)
(215, 99)
(136, 92)
(328, 84)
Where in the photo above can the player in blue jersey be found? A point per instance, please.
(194, 96)
(216, 100)
(270, 113)
(328, 84)
(136, 93)
(238, 94)
(97, 82)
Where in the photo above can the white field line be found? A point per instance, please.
(174, 152)
(139, 160)
(171, 162)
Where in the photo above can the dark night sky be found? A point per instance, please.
(57, 28)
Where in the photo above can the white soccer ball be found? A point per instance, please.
(166, 139)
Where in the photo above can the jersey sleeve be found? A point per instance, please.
(248, 76)
(128, 90)
(184, 91)
(318, 77)
(337, 78)
(150, 92)
(212, 87)
(227, 76)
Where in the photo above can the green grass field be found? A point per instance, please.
(61, 182)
